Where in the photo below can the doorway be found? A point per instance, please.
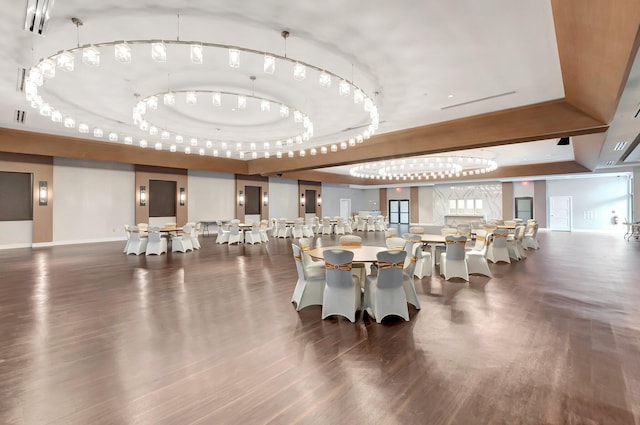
(399, 211)
(345, 208)
(524, 208)
(560, 213)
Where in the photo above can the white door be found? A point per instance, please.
(345, 208)
(560, 213)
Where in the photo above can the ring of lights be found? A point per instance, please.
(65, 60)
(425, 168)
(168, 98)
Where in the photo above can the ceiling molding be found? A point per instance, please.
(25, 142)
(525, 124)
(319, 176)
(597, 43)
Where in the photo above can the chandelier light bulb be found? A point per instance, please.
(159, 52)
(69, 122)
(194, 141)
(152, 102)
(97, 132)
(238, 146)
(302, 152)
(242, 102)
(47, 68)
(299, 72)
(35, 75)
(209, 144)
(265, 106)
(165, 135)
(297, 116)
(234, 58)
(278, 154)
(45, 110)
(201, 151)
(266, 146)
(252, 146)
(153, 130)
(158, 146)
(128, 140)
(216, 99)
(144, 126)
(143, 143)
(172, 148)
(83, 128)
(324, 80)
(344, 88)
(358, 96)
(187, 150)
(334, 148)
(267, 155)
(224, 145)
(241, 155)
(56, 116)
(122, 53)
(91, 56)
(179, 138)
(228, 154)
(66, 61)
(197, 55)
(113, 137)
(343, 145)
(290, 154)
(313, 151)
(284, 111)
(269, 64)
(352, 142)
(323, 150)
(169, 99)
(254, 155)
(192, 98)
(215, 152)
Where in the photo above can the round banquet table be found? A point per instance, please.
(432, 238)
(361, 254)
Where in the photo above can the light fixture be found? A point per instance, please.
(319, 200)
(143, 196)
(265, 199)
(123, 51)
(83, 128)
(241, 198)
(425, 167)
(302, 199)
(43, 193)
(37, 16)
(183, 196)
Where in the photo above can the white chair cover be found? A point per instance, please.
(253, 236)
(497, 250)
(312, 267)
(182, 243)
(453, 262)
(309, 290)
(137, 244)
(156, 244)
(477, 258)
(342, 291)
(223, 235)
(384, 294)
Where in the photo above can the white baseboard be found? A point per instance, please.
(15, 246)
(81, 241)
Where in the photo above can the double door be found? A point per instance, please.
(399, 211)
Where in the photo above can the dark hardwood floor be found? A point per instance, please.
(89, 335)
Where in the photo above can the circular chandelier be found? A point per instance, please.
(162, 137)
(425, 168)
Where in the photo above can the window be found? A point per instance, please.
(17, 196)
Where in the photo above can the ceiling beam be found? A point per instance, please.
(529, 123)
(18, 141)
(587, 148)
(597, 43)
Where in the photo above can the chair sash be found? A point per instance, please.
(351, 243)
(305, 248)
(298, 257)
(395, 248)
(384, 265)
(456, 242)
(345, 266)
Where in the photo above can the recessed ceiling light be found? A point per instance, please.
(619, 146)
(450, 96)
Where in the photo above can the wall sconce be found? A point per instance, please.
(302, 199)
(43, 193)
(143, 196)
(183, 196)
(265, 199)
(241, 198)
(319, 200)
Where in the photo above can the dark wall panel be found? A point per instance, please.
(162, 198)
(253, 200)
(16, 196)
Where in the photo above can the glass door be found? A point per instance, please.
(399, 211)
(524, 208)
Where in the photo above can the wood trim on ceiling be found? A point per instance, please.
(19, 141)
(597, 43)
(529, 123)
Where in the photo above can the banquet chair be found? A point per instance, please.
(416, 230)
(423, 263)
(390, 232)
(342, 290)
(438, 249)
(384, 294)
(477, 257)
(283, 230)
(514, 244)
(339, 226)
(412, 243)
(361, 224)
(453, 261)
(530, 239)
(223, 235)
(128, 234)
(395, 243)
(137, 243)
(297, 232)
(253, 236)
(195, 229)
(380, 224)
(312, 267)
(355, 241)
(235, 234)
(182, 243)
(274, 228)
(348, 226)
(307, 229)
(371, 225)
(327, 227)
(156, 244)
(497, 249)
(309, 289)
(143, 227)
(464, 230)
(264, 230)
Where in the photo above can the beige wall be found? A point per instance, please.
(144, 174)
(414, 211)
(507, 201)
(42, 169)
(540, 202)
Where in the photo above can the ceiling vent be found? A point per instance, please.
(19, 116)
(482, 99)
(22, 73)
(564, 141)
(37, 15)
